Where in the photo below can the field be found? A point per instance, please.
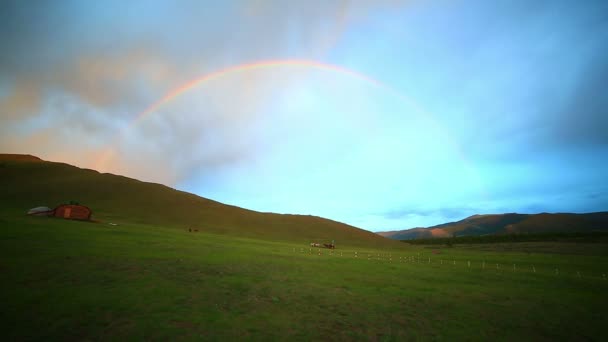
(69, 280)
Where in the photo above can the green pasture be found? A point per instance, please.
(69, 280)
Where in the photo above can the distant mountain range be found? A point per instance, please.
(511, 223)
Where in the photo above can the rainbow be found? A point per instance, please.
(267, 64)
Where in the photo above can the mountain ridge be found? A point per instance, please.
(508, 223)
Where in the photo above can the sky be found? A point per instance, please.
(385, 115)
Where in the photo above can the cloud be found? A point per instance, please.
(583, 117)
(452, 213)
(23, 96)
(108, 81)
(127, 80)
(517, 85)
(512, 78)
(112, 63)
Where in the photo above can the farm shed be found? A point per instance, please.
(40, 211)
(73, 212)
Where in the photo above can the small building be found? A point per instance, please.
(73, 212)
(40, 211)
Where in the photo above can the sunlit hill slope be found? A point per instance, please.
(511, 223)
(27, 182)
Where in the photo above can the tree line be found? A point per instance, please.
(588, 237)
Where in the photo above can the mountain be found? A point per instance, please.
(510, 223)
(392, 233)
(27, 182)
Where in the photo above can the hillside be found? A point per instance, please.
(150, 279)
(28, 182)
(511, 223)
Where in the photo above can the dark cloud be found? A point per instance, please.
(583, 119)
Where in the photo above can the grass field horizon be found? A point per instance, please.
(255, 276)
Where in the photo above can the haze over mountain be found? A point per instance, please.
(510, 223)
(28, 182)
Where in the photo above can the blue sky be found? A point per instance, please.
(484, 106)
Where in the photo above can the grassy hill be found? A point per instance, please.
(511, 223)
(27, 182)
(251, 276)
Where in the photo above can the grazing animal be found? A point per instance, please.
(326, 245)
(190, 230)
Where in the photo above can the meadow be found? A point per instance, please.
(70, 280)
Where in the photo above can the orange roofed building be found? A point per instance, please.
(73, 212)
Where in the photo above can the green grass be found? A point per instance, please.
(253, 276)
(67, 280)
(585, 237)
